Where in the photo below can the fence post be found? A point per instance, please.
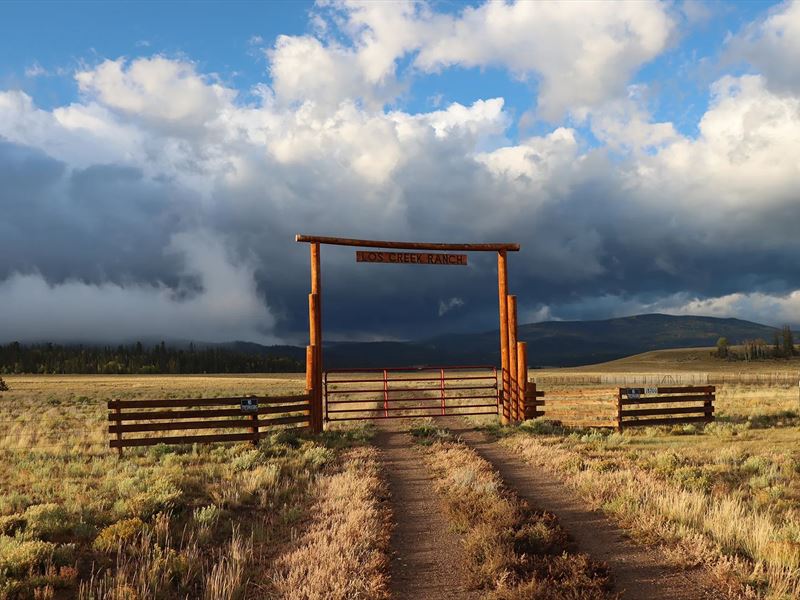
(314, 389)
(522, 378)
(442, 388)
(315, 339)
(385, 393)
(118, 422)
(512, 358)
(254, 428)
(502, 290)
(709, 404)
(619, 410)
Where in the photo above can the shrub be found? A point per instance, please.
(46, 520)
(542, 426)
(207, 516)
(161, 495)
(3, 385)
(11, 524)
(122, 532)
(17, 556)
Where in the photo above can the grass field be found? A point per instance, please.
(76, 521)
(726, 495)
(238, 522)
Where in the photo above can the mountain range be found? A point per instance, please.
(550, 344)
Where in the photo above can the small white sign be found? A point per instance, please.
(249, 405)
(651, 391)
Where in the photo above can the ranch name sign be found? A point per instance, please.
(413, 258)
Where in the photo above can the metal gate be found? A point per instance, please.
(407, 392)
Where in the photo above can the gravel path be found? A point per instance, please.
(427, 560)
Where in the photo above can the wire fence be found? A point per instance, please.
(777, 378)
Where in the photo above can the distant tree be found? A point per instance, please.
(722, 347)
(777, 351)
(755, 349)
(787, 341)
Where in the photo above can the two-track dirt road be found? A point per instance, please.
(427, 559)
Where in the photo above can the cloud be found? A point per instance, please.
(98, 195)
(772, 46)
(583, 53)
(227, 305)
(451, 304)
(35, 70)
(156, 89)
(760, 307)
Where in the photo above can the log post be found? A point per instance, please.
(311, 354)
(512, 357)
(118, 422)
(522, 378)
(708, 404)
(502, 290)
(254, 428)
(315, 371)
(315, 323)
(619, 410)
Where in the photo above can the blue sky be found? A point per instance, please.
(156, 154)
(226, 37)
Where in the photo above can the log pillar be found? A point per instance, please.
(512, 358)
(502, 290)
(522, 378)
(315, 338)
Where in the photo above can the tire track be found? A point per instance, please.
(427, 558)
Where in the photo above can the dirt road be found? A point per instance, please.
(639, 572)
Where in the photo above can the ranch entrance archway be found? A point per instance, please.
(481, 389)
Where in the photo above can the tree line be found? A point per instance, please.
(136, 359)
(759, 349)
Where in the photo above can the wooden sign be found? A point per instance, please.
(410, 258)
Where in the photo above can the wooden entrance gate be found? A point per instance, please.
(510, 382)
(394, 393)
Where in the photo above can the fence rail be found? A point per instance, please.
(696, 405)
(578, 407)
(253, 414)
(623, 407)
(697, 378)
(354, 394)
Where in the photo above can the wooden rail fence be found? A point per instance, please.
(213, 416)
(632, 407)
(671, 405)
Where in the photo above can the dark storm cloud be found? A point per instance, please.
(189, 232)
(104, 223)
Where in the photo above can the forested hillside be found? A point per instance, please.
(137, 359)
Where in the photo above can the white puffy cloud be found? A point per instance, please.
(745, 158)
(158, 89)
(583, 52)
(625, 125)
(772, 46)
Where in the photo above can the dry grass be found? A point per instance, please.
(344, 552)
(167, 522)
(512, 552)
(727, 496)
